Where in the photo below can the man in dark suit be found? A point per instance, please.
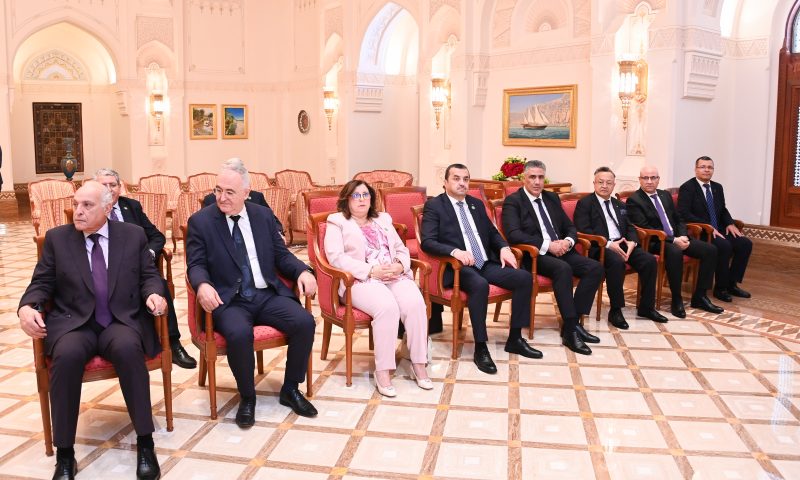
(533, 216)
(652, 208)
(703, 201)
(234, 253)
(601, 214)
(455, 224)
(254, 196)
(129, 210)
(101, 281)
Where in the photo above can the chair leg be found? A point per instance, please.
(534, 295)
(309, 388)
(201, 375)
(600, 298)
(260, 362)
(166, 379)
(211, 358)
(326, 339)
(371, 340)
(457, 313)
(497, 311)
(348, 357)
(44, 403)
(660, 283)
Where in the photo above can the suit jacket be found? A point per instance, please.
(643, 213)
(441, 232)
(63, 276)
(211, 255)
(590, 218)
(255, 197)
(521, 225)
(345, 246)
(132, 213)
(692, 204)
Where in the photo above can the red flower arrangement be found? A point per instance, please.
(511, 169)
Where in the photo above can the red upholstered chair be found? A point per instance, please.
(541, 284)
(188, 203)
(166, 184)
(259, 181)
(394, 177)
(317, 201)
(212, 346)
(53, 213)
(46, 189)
(340, 311)
(452, 297)
(278, 200)
(202, 182)
(98, 368)
(397, 202)
(478, 191)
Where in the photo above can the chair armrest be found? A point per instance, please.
(586, 244)
(646, 234)
(444, 261)
(163, 331)
(530, 250)
(401, 229)
(695, 229)
(422, 270)
(739, 224)
(599, 239)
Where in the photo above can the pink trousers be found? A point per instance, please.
(387, 304)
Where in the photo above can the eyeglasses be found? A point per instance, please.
(650, 179)
(357, 196)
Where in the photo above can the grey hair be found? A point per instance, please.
(236, 164)
(535, 164)
(104, 172)
(106, 197)
(605, 170)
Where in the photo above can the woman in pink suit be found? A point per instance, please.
(363, 242)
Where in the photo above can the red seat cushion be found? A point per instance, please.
(494, 291)
(358, 315)
(413, 248)
(260, 333)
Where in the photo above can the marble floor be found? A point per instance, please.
(708, 397)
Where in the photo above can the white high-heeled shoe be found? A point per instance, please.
(423, 383)
(389, 391)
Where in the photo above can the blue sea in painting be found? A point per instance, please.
(554, 133)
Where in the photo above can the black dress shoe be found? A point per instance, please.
(246, 414)
(677, 309)
(520, 347)
(738, 292)
(723, 295)
(573, 341)
(297, 402)
(483, 360)
(147, 464)
(586, 336)
(181, 357)
(703, 303)
(653, 315)
(616, 318)
(66, 468)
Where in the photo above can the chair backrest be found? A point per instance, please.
(327, 288)
(497, 215)
(674, 196)
(154, 206)
(434, 284)
(47, 189)
(53, 213)
(167, 184)
(201, 182)
(188, 203)
(511, 186)
(397, 202)
(317, 201)
(479, 192)
(279, 200)
(569, 201)
(396, 177)
(623, 196)
(294, 180)
(558, 187)
(259, 181)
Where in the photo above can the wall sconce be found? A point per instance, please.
(440, 95)
(157, 108)
(632, 85)
(329, 104)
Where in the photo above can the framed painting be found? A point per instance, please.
(202, 121)
(540, 116)
(53, 123)
(234, 119)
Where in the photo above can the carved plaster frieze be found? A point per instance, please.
(306, 4)
(217, 7)
(121, 99)
(470, 63)
(603, 44)
(437, 4)
(480, 88)
(702, 40)
(701, 75)
(376, 29)
(501, 27)
(711, 7)
(154, 28)
(567, 53)
(581, 18)
(55, 65)
(369, 98)
(334, 22)
(750, 48)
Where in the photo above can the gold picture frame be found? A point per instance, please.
(202, 121)
(234, 121)
(541, 116)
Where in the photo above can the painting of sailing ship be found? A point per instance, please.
(541, 116)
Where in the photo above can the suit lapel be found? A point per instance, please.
(621, 220)
(528, 206)
(78, 246)
(221, 226)
(116, 245)
(127, 213)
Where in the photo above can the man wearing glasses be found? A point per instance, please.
(703, 201)
(652, 208)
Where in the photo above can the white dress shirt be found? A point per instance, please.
(250, 245)
(545, 236)
(613, 231)
(471, 221)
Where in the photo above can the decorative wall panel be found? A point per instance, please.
(52, 123)
(55, 65)
(216, 36)
(154, 28)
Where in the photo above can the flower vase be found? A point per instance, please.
(69, 163)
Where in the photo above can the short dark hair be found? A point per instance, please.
(605, 169)
(343, 203)
(704, 158)
(535, 164)
(460, 166)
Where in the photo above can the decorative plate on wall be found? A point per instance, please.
(303, 122)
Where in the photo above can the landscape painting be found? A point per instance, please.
(203, 121)
(235, 118)
(540, 116)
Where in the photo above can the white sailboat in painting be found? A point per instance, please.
(534, 119)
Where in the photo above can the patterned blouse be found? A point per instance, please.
(377, 249)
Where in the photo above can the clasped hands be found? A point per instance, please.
(622, 247)
(386, 272)
(506, 257)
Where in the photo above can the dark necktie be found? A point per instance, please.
(545, 220)
(114, 215)
(102, 313)
(473, 240)
(712, 214)
(662, 215)
(248, 284)
(608, 209)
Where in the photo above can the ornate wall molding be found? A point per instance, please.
(435, 5)
(154, 28)
(216, 7)
(563, 54)
(688, 38)
(306, 4)
(501, 23)
(701, 75)
(629, 6)
(603, 44)
(228, 17)
(747, 48)
(581, 18)
(55, 65)
(334, 22)
(98, 13)
(471, 63)
(369, 98)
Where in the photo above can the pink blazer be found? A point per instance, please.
(345, 245)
